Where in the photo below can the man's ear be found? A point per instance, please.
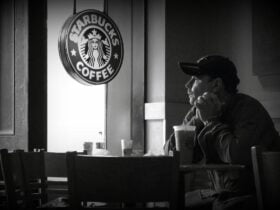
(217, 85)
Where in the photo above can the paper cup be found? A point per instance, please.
(88, 147)
(126, 146)
(184, 139)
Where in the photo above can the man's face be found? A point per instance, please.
(196, 86)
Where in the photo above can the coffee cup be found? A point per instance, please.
(184, 140)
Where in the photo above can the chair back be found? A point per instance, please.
(35, 184)
(266, 167)
(55, 163)
(13, 184)
(122, 179)
(3, 197)
(56, 172)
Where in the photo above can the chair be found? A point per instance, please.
(34, 178)
(56, 173)
(3, 197)
(24, 179)
(127, 180)
(13, 193)
(266, 167)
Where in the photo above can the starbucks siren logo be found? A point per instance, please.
(91, 47)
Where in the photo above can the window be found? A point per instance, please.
(76, 112)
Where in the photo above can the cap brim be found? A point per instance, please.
(190, 68)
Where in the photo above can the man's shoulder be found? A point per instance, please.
(244, 96)
(247, 103)
(246, 99)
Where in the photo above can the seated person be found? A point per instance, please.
(228, 124)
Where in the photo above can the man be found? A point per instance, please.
(228, 124)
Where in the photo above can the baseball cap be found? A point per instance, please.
(214, 66)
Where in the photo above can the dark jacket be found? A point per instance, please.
(243, 123)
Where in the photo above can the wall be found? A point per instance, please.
(125, 100)
(119, 91)
(265, 57)
(14, 131)
(155, 78)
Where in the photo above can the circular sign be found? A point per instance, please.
(91, 47)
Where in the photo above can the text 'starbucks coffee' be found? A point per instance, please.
(91, 47)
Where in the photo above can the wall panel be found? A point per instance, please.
(15, 127)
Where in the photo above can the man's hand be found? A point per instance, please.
(208, 106)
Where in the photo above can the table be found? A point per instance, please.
(186, 168)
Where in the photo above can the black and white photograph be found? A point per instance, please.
(139, 104)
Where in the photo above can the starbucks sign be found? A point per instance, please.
(91, 47)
